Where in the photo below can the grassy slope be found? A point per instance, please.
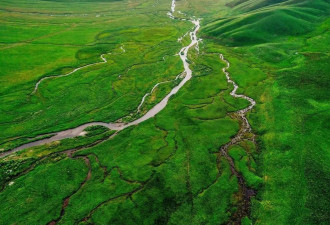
(288, 43)
(269, 24)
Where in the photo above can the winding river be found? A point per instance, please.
(74, 132)
(242, 112)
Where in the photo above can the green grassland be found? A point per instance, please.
(168, 169)
(279, 55)
(110, 91)
(38, 190)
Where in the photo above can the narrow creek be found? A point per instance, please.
(245, 193)
(104, 60)
(77, 131)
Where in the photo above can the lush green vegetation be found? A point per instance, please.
(168, 169)
(36, 197)
(77, 35)
(287, 44)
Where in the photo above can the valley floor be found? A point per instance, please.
(164, 112)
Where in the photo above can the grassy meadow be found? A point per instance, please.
(139, 54)
(279, 55)
(168, 169)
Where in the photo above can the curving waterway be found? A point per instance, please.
(104, 60)
(241, 112)
(245, 129)
(74, 132)
(245, 126)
